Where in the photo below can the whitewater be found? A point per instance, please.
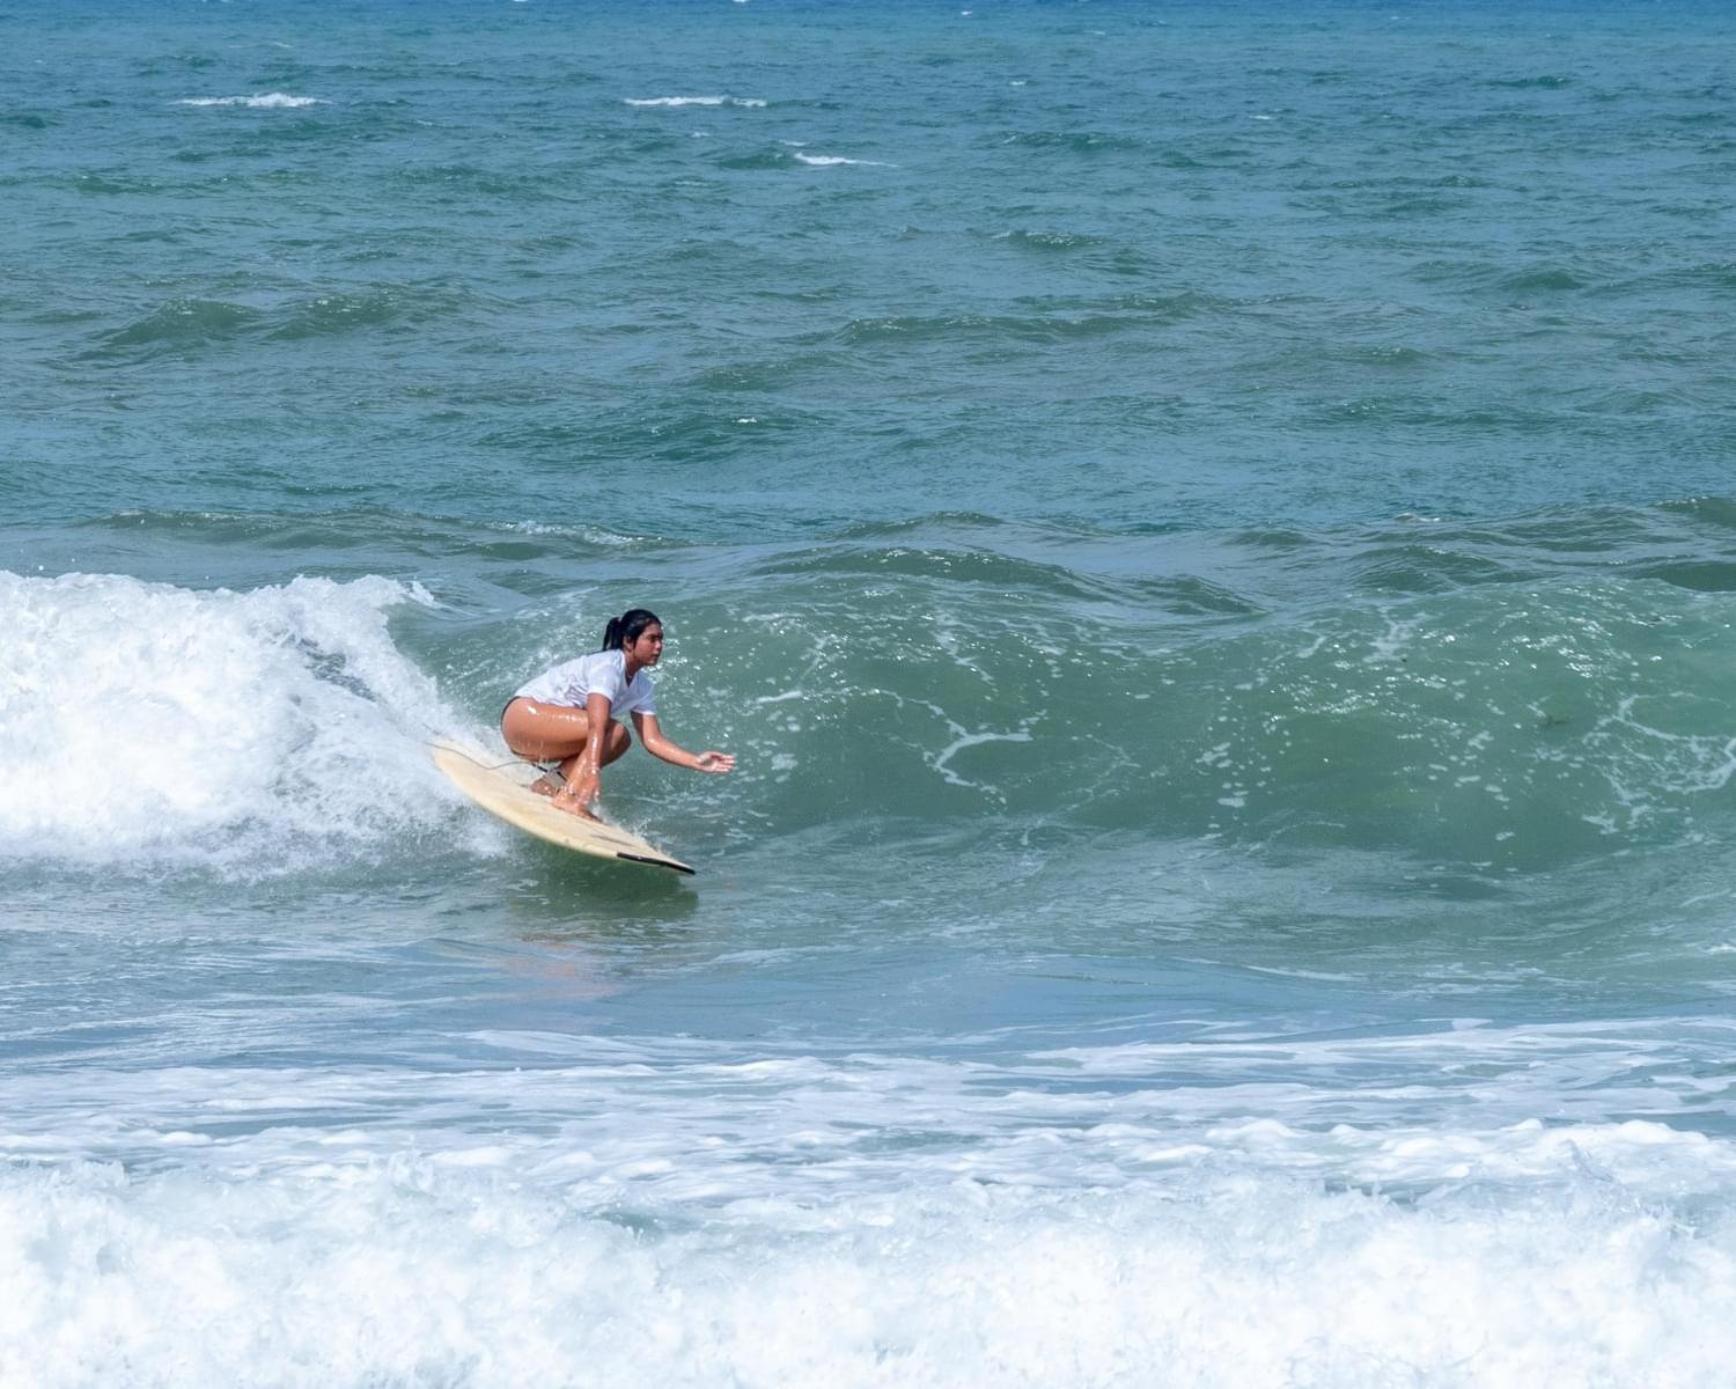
(1209, 534)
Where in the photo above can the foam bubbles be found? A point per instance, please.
(831, 161)
(152, 724)
(747, 102)
(263, 101)
(410, 1274)
(672, 1211)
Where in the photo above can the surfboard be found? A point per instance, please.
(504, 792)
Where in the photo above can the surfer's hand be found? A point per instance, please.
(714, 762)
(580, 795)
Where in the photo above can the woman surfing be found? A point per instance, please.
(571, 714)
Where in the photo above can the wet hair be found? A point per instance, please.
(624, 630)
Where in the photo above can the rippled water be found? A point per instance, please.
(1207, 528)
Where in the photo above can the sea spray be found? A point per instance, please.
(147, 724)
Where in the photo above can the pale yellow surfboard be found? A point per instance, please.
(505, 792)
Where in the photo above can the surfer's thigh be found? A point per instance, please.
(544, 732)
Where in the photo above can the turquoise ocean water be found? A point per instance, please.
(1210, 528)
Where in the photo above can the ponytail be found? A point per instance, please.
(624, 630)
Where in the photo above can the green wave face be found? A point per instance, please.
(1513, 727)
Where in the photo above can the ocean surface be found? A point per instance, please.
(1210, 528)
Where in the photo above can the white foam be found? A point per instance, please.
(678, 101)
(1129, 1118)
(1642, 760)
(672, 1212)
(829, 161)
(941, 760)
(591, 535)
(148, 723)
(417, 1272)
(264, 101)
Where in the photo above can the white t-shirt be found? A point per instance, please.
(602, 672)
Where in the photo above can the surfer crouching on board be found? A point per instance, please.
(571, 714)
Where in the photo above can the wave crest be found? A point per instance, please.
(146, 724)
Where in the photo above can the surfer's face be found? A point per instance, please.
(647, 650)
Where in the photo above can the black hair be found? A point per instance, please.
(624, 630)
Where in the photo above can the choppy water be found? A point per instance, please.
(1209, 529)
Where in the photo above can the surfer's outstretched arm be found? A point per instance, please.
(660, 746)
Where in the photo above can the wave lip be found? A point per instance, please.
(182, 323)
(187, 326)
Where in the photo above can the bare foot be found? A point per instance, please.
(573, 807)
(546, 786)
